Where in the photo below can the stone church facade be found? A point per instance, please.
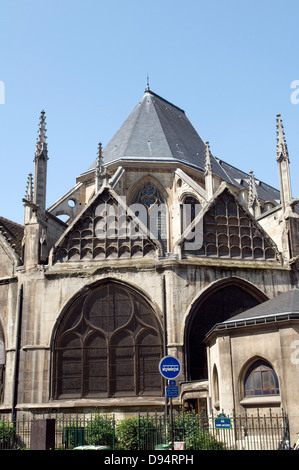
(164, 250)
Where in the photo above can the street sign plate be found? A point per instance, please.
(223, 422)
(170, 367)
(172, 391)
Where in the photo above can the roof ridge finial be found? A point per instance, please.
(147, 83)
(41, 141)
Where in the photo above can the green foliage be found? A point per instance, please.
(190, 428)
(127, 434)
(100, 431)
(135, 433)
(6, 433)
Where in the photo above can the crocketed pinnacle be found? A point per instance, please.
(281, 149)
(29, 188)
(99, 167)
(41, 141)
(100, 160)
(252, 193)
(208, 163)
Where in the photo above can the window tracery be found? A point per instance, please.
(228, 232)
(104, 231)
(108, 344)
(155, 216)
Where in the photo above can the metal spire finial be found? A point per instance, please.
(147, 83)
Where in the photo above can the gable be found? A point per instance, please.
(11, 236)
(13, 233)
(6, 262)
(106, 229)
(229, 231)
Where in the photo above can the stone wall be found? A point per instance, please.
(232, 352)
(48, 291)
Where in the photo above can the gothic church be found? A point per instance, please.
(159, 249)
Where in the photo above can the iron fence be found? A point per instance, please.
(258, 431)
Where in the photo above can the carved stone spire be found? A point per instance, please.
(253, 202)
(281, 149)
(99, 167)
(29, 188)
(208, 164)
(28, 197)
(41, 157)
(282, 157)
(41, 141)
(208, 173)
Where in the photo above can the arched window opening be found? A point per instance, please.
(217, 306)
(261, 379)
(215, 387)
(189, 210)
(153, 213)
(109, 344)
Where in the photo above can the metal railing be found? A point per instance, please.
(259, 431)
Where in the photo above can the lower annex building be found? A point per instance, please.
(164, 250)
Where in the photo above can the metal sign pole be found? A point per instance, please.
(171, 423)
(170, 368)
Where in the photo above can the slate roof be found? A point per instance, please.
(158, 131)
(240, 179)
(13, 233)
(281, 307)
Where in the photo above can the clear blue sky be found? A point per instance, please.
(228, 64)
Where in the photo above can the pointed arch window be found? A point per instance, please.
(216, 387)
(261, 379)
(108, 344)
(190, 208)
(150, 207)
(219, 304)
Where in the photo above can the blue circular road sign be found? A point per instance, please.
(170, 367)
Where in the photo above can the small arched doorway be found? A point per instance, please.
(223, 301)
